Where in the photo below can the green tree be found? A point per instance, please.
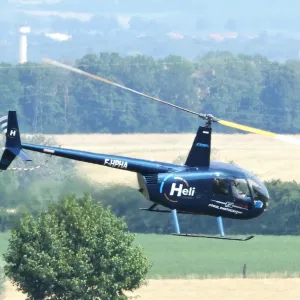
(74, 250)
(22, 191)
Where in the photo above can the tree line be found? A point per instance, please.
(247, 89)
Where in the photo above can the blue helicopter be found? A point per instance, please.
(199, 186)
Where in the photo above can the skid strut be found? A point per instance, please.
(175, 221)
(174, 213)
(221, 228)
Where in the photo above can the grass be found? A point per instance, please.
(179, 257)
(197, 258)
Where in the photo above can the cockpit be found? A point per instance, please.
(246, 191)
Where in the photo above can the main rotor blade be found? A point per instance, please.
(58, 64)
(203, 116)
(247, 128)
(280, 137)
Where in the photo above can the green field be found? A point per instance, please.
(179, 257)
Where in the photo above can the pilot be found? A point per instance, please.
(238, 194)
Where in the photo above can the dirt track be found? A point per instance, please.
(210, 289)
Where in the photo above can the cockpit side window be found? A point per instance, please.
(240, 189)
(220, 186)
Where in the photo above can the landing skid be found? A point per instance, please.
(214, 237)
(174, 213)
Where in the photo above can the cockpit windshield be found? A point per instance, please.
(246, 191)
(259, 191)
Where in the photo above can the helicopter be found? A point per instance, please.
(198, 187)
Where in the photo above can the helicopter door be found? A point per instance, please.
(220, 190)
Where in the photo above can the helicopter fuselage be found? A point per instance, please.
(197, 191)
(192, 190)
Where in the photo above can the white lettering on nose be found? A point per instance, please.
(176, 189)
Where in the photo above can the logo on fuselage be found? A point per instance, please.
(179, 188)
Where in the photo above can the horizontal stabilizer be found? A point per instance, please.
(24, 156)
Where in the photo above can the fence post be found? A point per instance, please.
(244, 270)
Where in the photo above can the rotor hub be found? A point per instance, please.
(209, 119)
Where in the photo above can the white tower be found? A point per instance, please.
(24, 31)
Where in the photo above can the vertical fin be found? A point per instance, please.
(13, 139)
(6, 159)
(199, 155)
(13, 148)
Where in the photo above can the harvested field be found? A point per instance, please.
(225, 289)
(209, 289)
(266, 157)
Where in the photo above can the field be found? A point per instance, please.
(265, 256)
(273, 268)
(209, 289)
(266, 157)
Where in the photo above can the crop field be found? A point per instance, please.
(266, 157)
(190, 268)
(182, 257)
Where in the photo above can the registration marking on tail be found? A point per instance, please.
(48, 151)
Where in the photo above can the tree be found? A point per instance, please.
(30, 191)
(75, 249)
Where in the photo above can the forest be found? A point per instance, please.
(247, 89)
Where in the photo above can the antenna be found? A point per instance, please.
(24, 31)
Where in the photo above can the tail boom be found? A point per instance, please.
(113, 161)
